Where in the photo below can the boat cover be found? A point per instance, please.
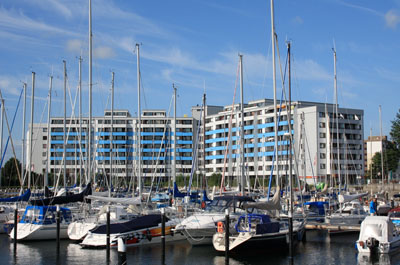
(141, 222)
(64, 199)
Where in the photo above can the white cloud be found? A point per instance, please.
(392, 18)
(310, 70)
(53, 6)
(103, 52)
(75, 46)
(11, 20)
(298, 20)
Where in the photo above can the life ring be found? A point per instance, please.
(203, 205)
(220, 227)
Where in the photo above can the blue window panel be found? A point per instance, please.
(216, 140)
(154, 142)
(55, 158)
(151, 133)
(248, 136)
(184, 134)
(184, 150)
(216, 148)
(249, 127)
(184, 142)
(215, 157)
(183, 158)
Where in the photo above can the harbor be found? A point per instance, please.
(319, 249)
(157, 134)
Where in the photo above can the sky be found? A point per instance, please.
(194, 44)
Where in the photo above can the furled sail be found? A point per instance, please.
(24, 197)
(347, 198)
(273, 204)
(64, 199)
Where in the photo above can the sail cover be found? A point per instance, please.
(127, 201)
(347, 198)
(273, 204)
(64, 199)
(24, 197)
(145, 221)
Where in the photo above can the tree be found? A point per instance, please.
(391, 160)
(395, 131)
(9, 174)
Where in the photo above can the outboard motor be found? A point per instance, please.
(372, 243)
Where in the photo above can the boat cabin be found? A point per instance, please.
(45, 215)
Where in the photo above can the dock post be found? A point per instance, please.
(121, 251)
(163, 235)
(226, 236)
(290, 235)
(108, 233)
(15, 226)
(58, 221)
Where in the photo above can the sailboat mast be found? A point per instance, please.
(138, 148)
(23, 136)
(89, 131)
(46, 177)
(111, 134)
(289, 114)
(204, 141)
(241, 183)
(80, 121)
(380, 122)
(65, 125)
(1, 132)
(175, 138)
(274, 85)
(31, 130)
(337, 122)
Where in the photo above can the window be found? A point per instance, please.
(322, 155)
(322, 145)
(322, 135)
(322, 125)
(322, 166)
(44, 129)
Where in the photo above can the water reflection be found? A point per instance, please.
(381, 259)
(220, 260)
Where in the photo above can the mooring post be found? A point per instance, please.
(163, 235)
(226, 236)
(15, 226)
(121, 251)
(108, 233)
(58, 221)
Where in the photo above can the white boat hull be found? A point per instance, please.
(28, 231)
(78, 230)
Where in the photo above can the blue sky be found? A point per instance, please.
(195, 44)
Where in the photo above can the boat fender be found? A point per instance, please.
(148, 235)
(372, 242)
(220, 227)
(203, 205)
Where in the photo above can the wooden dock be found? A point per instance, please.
(332, 228)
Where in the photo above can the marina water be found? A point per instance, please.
(319, 248)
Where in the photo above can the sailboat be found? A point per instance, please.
(261, 230)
